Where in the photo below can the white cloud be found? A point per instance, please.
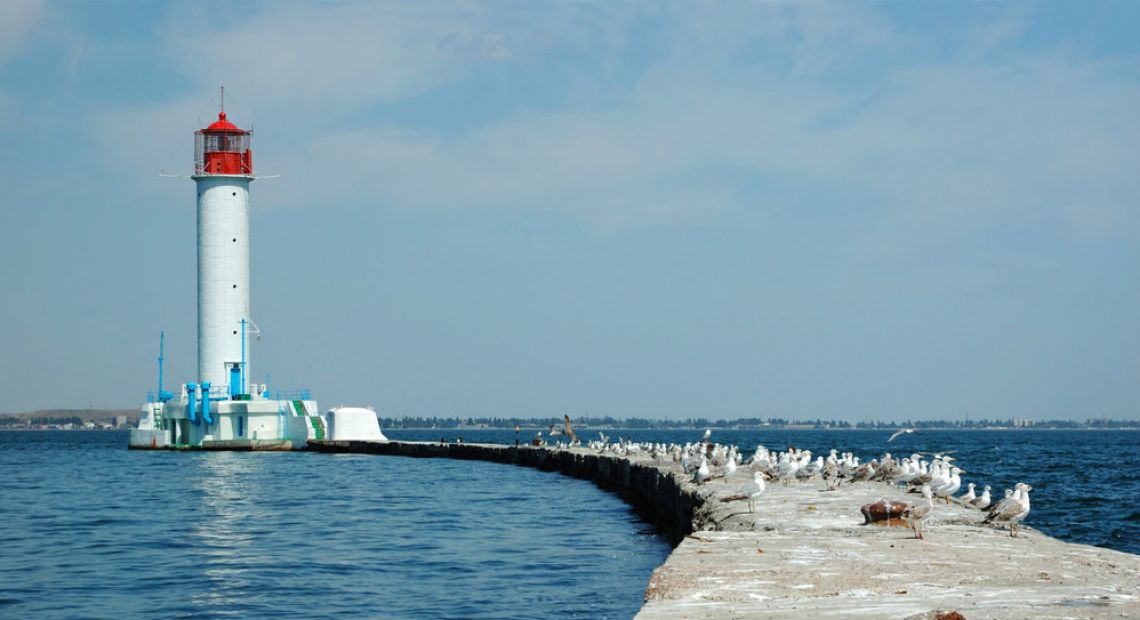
(334, 59)
(928, 150)
(17, 19)
(935, 153)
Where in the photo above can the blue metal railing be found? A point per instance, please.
(292, 395)
(223, 392)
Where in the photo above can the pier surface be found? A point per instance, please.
(805, 552)
(809, 556)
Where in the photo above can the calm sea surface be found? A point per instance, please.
(91, 529)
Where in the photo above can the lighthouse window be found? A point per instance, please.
(235, 239)
(235, 332)
(235, 193)
(235, 286)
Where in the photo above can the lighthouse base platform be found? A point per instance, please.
(244, 423)
(247, 424)
(157, 440)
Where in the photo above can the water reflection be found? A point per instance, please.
(222, 534)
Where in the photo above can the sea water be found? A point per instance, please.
(91, 529)
(1085, 483)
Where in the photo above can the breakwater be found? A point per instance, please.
(657, 495)
(806, 551)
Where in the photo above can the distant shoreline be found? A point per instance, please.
(672, 428)
(767, 428)
(113, 419)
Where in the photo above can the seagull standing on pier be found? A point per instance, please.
(969, 496)
(983, 501)
(702, 472)
(1013, 509)
(787, 469)
(831, 475)
(729, 467)
(950, 482)
(756, 490)
(916, 514)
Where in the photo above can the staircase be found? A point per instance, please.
(314, 420)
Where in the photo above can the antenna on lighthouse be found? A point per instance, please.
(223, 108)
(161, 349)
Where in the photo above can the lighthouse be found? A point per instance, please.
(221, 408)
(223, 170)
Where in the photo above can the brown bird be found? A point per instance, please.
(568, 428)
(916, 514)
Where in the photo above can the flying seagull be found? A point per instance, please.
(902, 431)
(569, 429)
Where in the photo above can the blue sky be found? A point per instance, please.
(840, 210)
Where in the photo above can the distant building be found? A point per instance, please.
(120, 421)
(1022, 423)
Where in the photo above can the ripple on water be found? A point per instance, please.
(220, 535)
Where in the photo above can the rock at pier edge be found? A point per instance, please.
(805, 553)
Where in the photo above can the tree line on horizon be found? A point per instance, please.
(78, 417)
(655, 424)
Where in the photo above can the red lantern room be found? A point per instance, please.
(222, 148)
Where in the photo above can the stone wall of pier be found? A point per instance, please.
(657, 495)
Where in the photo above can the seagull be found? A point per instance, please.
(754, 495)
(729, 469)
(831, 476)
(864, 472)
(953, 482)
(939, 456)
(787, 469)
(1012, 509)
(916, 514)
(908, 470)
(702, 472)
(887, 468)
(983, 501)
(969, 496)
(903, 431)
(569, 429)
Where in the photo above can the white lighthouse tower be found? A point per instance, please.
(222, 409)
(223, 170)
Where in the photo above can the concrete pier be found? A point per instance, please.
(806, 553)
